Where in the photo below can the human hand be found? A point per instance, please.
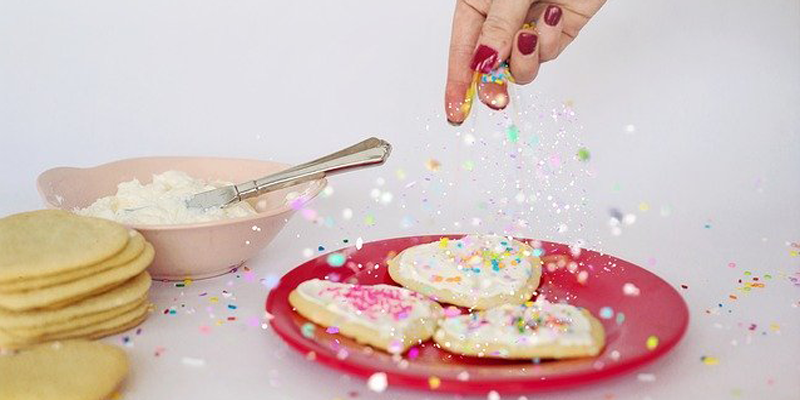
(488, 32)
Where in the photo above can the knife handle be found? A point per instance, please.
(367, 153)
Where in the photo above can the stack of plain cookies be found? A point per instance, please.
(65, 276)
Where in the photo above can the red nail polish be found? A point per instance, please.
(552, 15)
(484, 59)
(526, 43)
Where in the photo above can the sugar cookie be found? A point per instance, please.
(132, 290)
(70, 292)
(133, 249)
(76, 323)
(476, 271)
(532, 330)
(110, 326)
(387, 317)
(70, 370)
(45, 242)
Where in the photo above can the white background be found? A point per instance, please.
(712, 89)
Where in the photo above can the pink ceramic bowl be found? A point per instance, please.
(185, 251)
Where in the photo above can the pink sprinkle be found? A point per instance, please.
(413, 353)
(451, 312)
(374, 302)
(253, 322)
(298, 203)
(732, 265)
(249, 276)
(309, 214)
(332, 329)
(205, 329)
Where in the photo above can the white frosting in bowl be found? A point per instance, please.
(162, 202)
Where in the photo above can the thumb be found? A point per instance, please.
(504, 19)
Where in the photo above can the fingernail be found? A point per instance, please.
(552, 15)
(526, 43)
(499, 102)
(452, 114)
(484, 59)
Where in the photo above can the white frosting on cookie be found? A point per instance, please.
(476, 265)
(527, 325)
(384, 308)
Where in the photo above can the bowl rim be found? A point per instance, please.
(316, 186)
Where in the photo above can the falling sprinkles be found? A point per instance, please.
(497, 211)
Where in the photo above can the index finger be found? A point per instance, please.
(467, 23)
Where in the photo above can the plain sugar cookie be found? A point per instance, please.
(46, 242)
(119, 323)
(476, 271)
(387, 317)
(132, 290)
(532, 330)
(76, 323)
(67, 293)
(132, 250)
(70, 370)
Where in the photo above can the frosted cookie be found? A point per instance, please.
(476, 271)
(387, 317)
(532, 330)
(71, 370)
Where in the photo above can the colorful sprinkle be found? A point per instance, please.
(709, 360)
(499, 75)
(629, 289)
(432, 165)
(434, 382)
(452, 312)
(652, 342)
(413, 353)
(378, 382)
(583, 154)
(308, 330)
(512, 132)
(395, 347)
(336, 259)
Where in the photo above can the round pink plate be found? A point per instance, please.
(642, 323)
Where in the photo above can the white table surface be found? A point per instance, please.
(711, 90)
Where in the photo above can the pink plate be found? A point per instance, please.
(639, 327)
